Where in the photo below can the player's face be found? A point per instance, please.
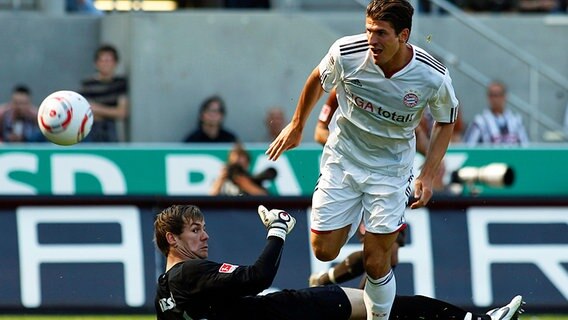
(384, 43)
(192, 242)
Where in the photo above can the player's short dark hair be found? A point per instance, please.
(173, 219)
(107, 48)
(397, 12)
(22, 88)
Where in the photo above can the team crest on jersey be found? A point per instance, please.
(410, 99)
(227, 268)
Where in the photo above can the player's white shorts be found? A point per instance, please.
(346, 193)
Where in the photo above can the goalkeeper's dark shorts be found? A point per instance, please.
(325, 302)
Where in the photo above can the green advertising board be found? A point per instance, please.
(181, 169)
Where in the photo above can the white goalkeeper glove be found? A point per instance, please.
(278, 222)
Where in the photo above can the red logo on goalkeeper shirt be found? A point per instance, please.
(227, 268)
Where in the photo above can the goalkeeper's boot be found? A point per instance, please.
(508, 312)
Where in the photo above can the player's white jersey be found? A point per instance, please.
(377, 116)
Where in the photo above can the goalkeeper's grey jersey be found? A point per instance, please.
(377, 116)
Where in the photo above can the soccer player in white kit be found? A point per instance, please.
(383, 84)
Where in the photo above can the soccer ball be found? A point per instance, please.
(65, 117)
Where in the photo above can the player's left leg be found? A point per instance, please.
(380, 286)
(384, 202)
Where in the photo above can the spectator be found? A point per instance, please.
(18, 118)
(107, 94)
(210, 126)
(235, 178)
(496, 124)
(275, 122)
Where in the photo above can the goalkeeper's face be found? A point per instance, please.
(192, 242)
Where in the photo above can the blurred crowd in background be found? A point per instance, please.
(424, 6)
(107, 93)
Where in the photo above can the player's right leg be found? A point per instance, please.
(327, 244)
(350, 268)
(336, 211)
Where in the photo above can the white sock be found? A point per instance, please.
(467, 316)
(379, 296)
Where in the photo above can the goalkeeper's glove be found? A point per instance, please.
(278, 222)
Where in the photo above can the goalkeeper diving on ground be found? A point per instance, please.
(193, 287)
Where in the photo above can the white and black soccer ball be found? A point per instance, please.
(65, 117)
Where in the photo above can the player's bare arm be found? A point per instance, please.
(439, 141)
(291, 135)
